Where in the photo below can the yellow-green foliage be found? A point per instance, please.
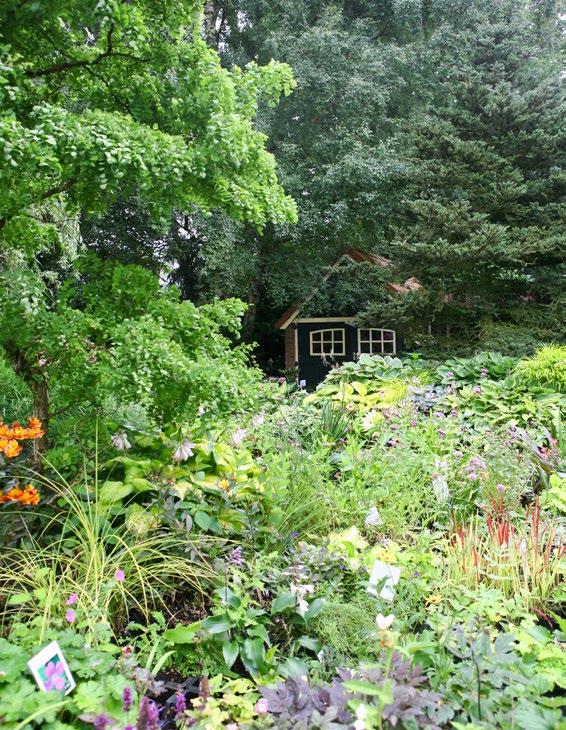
(361, 396)
(547, 368)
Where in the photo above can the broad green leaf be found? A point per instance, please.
(283, 601)
(217, 624)
(183, 634)
(19, 598)
(230, 651)
(111, 492)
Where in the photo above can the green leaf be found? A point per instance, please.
(183, 634)
(217, 624)
(114, 491)
(283, 601)
(202, 520)
(309, 642)
(19, 598)
(230, 651)
(89, 697)
(293, 667)
(315, 607)
(254, 651)
(384, 692)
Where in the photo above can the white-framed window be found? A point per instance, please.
(376, 341)
(328, 342)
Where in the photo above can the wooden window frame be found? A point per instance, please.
(333, 352)
(380, 341)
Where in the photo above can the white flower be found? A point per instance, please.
(302, 606)
(440, 481)
(361, 716)
(183, 451)
(373, 517)
(238, 437)
(258, 419)
(368, 421)
(384, 622)
(201, 410)
(300, 591)
(320, 656)
(120, 441)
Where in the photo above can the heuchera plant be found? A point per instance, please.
(297, 704)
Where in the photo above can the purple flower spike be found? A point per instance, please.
(180, 706)
(100, 722)
(149, 715)
(127, 698)
(236, 557)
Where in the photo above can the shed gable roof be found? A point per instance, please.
(357, 256)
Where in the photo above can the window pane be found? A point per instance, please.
(316, 336)
(327, 336)
(388, 347)
(338, 335)
(365, 347)
(328, 347)
(364, 335)
(387, 335)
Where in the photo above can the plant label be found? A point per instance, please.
(50, 670)
(388, 576)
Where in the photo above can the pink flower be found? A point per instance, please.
(72, 599)
(55, 676)
(262, 706)
(71, 615)
(119, 575)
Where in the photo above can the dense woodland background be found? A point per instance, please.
(431, 132)
(428, 131)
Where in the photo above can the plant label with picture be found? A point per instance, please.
(385, 575)
(50, 670)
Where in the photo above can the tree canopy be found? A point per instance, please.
(112, 99)
(429, 132)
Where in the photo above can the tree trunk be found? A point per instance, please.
(250, 317)
(35, 378)
(40, 390)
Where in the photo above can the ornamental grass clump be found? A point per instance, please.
(525, 559)
(83, 558)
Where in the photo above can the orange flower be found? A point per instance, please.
(12, 449)
(10, 435)
(28, 495)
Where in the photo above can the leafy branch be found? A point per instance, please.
(84, 63)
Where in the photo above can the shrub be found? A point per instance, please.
(547, 368)
(346, 626)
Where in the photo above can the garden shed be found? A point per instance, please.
(314, 343)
